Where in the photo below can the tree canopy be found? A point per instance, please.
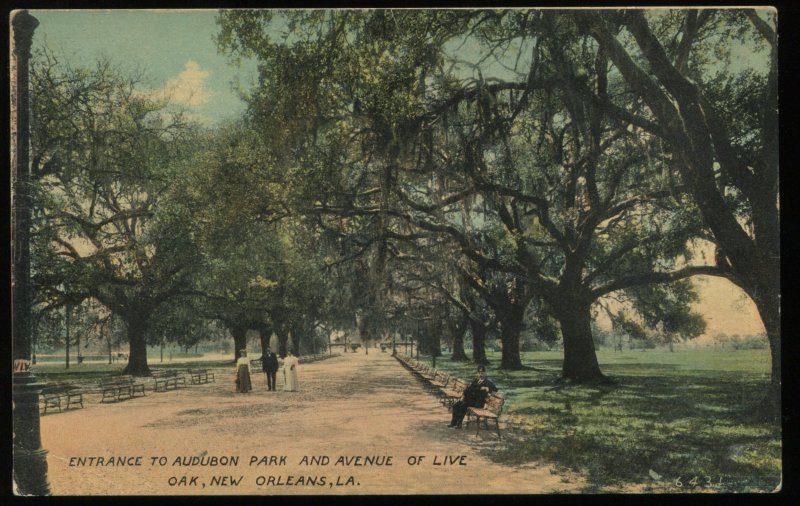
(450, 172)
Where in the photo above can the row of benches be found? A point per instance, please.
(449, 389)
(65, 396)
(162, 382)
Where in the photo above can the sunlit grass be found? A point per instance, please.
(88, 371)
(681, 415)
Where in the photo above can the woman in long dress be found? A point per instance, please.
(243, 384)
(290, 373)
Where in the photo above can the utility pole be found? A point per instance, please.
(66, 331)
(30, 459)
(78, 340)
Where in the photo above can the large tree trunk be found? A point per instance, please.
(295, 335)
(282, 340)
(364, 332)
(458, 340)
(580, 360)
(264, 333)
(510, 328)
(308, 335)
(768, 304)
(478, 342)
(434, 340)
(239, 341)
(137, 361)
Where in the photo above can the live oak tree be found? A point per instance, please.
(264, 267)
(356, 108)
(564, 190)
(106, 155)
(557, 176)
(709, 80)
(344, 184)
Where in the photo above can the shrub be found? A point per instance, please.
(756, 342)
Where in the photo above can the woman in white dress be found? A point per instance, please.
(290, 373)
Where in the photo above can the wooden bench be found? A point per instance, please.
(453, 392)
(403, 359)
(435, 380)
(168, 380)
(199, 376)
(440, 380)
(121, 388)
(135, 386)
(420, 370)
(490, 411)
(430, 375)
(113, 391)
(54, 395)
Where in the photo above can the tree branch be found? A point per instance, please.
(657, 277)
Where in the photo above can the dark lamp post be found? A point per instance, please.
(30, 459)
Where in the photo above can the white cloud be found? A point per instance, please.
(188, 87)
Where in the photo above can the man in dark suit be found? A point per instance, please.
(269, 363)
(474, 396)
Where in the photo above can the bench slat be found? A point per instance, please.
(490, 411)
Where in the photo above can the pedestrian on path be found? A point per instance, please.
(243, 384)
(290, 373)
(474, 396)
(269, 363)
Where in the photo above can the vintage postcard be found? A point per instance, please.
(395, 251)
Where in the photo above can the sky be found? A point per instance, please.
(177, 50)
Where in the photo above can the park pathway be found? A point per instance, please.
(353, 405)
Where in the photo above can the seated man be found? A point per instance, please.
(474, 396)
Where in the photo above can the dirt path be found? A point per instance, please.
(348, 406)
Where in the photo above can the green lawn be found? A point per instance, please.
(682, 415)
(53, 371)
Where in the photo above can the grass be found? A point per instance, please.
(54, 371)
(681, 415)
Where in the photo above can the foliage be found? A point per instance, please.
(719, 122)
(657, 418)
(737, 342)
(523, 143)
(106, 157)
(528, 157)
